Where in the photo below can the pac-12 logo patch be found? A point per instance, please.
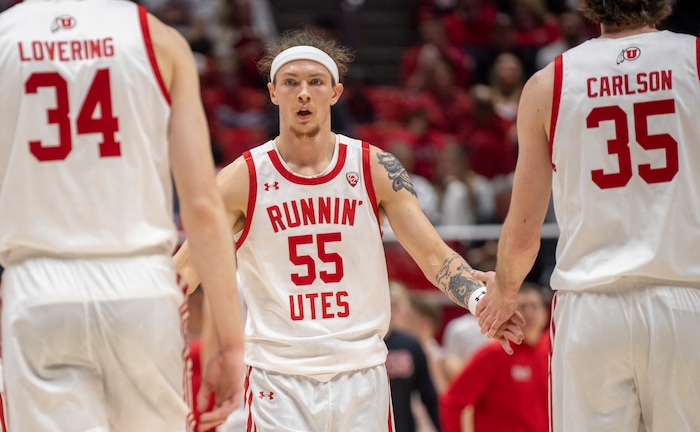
(629, 54)
(62, 22)
(353, 178)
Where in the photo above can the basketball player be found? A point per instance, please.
(307, 209)
(99, 103)
(611, 128)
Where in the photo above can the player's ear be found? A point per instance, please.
(337, 91)
(271, 90)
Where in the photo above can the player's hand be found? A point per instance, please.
(511, 332)
(497, 313)
(222, 376)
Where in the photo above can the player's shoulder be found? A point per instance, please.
(539, 89)
(166, 38)
(544, 76)
(234, 171)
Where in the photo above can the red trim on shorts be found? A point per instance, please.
(369, 184)
(252, 196)
(697, 56)
(552, 331)
(2, 413)
(187, 370)
(556, 101)
(340, 163)
(143, 18)
(248, 401)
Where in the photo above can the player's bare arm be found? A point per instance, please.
(454, 278)
(396, 196)
(441, 265)
(519, 241)
(396, 172)
(232, 182)
(204, 220)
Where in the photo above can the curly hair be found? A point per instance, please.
(625, 12)
(340, 54)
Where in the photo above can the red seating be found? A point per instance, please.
(387, 101)
(233, 141)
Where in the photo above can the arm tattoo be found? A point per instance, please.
(456, 281)
(397, 173)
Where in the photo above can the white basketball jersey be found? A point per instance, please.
(83, 154)
(625, 140)
(312, 265)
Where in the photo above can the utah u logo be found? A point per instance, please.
(630, 54)
(269, 396)
(62, 22)
(274, 186)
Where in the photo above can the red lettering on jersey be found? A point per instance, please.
(589, 84)
(65, 51)
(96, 48)
(326, 304)
(324, 210)
(340, 299)
(292, 221)
(275, 216)
(349, 208)
(331, 305)
(22, 56)
(76, 50)
(642, 85)
(312, 303)
(307, 211)
(621, 85)
(336, 207)
(604, 86)
(312, 211)
(37, 51)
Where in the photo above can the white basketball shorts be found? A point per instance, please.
(94, 345)
(355, 401)
(626, 358)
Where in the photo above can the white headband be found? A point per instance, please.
(304, 52)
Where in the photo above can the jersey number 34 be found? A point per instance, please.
(98, 95)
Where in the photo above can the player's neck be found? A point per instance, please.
(306, 156)
(615, 32)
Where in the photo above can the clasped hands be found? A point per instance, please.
(498, 314)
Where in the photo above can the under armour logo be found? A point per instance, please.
(274, 185)
(269, 396)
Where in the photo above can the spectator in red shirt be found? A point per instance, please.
(496, 392)
(418, 59)
(535, 25)
(470, 23)
(449, 106)
(507, 81)
(488, 143)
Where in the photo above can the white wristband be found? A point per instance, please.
(474, 299)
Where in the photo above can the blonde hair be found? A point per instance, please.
(341, 55)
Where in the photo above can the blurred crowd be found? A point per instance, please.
(449, 115)
(450, 119)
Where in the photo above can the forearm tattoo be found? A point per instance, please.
(397, 173)
(455, 280)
